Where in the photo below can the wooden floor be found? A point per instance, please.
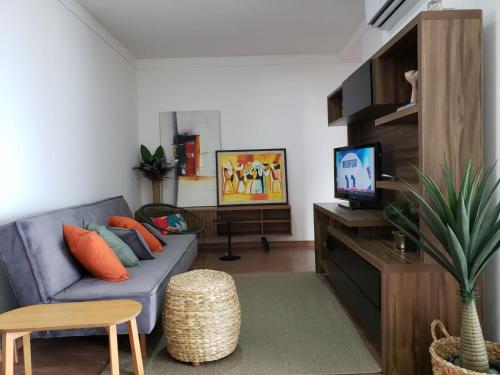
(89, 355)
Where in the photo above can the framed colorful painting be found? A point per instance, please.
(251, 177)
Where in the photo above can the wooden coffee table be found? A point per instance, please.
(95, 314)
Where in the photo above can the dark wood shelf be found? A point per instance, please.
(379, 252)
(354, 218)
(405, 116)
(394, 185)
(341, 121)
(334, 106)
(257, 221)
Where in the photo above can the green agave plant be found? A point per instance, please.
(465, 222)
(154, 166)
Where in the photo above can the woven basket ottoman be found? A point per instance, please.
(201, 316)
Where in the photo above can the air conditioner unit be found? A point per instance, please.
(385, 13)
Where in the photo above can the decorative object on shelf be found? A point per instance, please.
(401, 242)
(412, 77)
(155, 167)
(466, 224)
(435, 5)
(192, 137)
(246, 177)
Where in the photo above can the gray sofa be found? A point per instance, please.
(41, 268)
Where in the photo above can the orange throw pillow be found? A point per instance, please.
(128, 223)
(94, 254)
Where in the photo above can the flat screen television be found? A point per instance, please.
(356, 169)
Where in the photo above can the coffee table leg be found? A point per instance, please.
(8, 340)
(27, 354)
(113, 350)
(133, 336)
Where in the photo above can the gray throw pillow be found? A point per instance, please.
(135, 241)
(155, 232)
(121, 249)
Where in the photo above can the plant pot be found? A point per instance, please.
(448, 346)
(156, 191)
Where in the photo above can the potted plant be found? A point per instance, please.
(391, 213)
(155, 167)
(466, 227)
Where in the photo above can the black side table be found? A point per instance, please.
(229, 255)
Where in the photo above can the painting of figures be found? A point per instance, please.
(191, 137)
(251, 177)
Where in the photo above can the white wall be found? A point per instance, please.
(68, 121)
(371, 40)
(265, 102)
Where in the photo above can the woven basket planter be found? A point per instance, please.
(443, 348)
(201, 316)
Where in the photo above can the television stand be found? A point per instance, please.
(357, 205)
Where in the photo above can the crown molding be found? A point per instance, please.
(196, 62)
(86, 18)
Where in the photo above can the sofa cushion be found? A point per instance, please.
(120, 248)
(146, 283)
(135, 241)
(16, 262)
(94, 254)
(129, 223)
(155, 232)
(52, 265)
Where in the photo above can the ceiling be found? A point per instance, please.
(219, 28)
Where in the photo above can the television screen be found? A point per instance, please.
(356, 170)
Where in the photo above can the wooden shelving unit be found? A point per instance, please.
(444, 126)
(378, 251)
(259, 220)
(334, 106)
(394, 185)
(355, 218)
(405, 116)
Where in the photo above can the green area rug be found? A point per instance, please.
(291, 324)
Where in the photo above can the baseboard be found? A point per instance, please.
(258, 244)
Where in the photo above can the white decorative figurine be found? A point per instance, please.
(412, 77)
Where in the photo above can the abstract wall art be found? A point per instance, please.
(246, 177)
(192, 137)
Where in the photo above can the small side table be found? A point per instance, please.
(228, 221)
(95, 314)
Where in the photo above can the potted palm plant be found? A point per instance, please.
(155, 167)
(465, 224)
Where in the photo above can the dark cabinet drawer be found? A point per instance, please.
(363, 274)
(357, 90)
(362, 308)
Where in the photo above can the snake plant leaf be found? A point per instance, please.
(465, 222)
(155, 167)
(475, 183)
(480, 193)
(458, 256)
(463, 226)
(159, 153)
(489, 252)
(437, 198)
(485, 255)
(481, 233)
(483, 210)
(145, 154)
(430, 217)
(448, 181)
